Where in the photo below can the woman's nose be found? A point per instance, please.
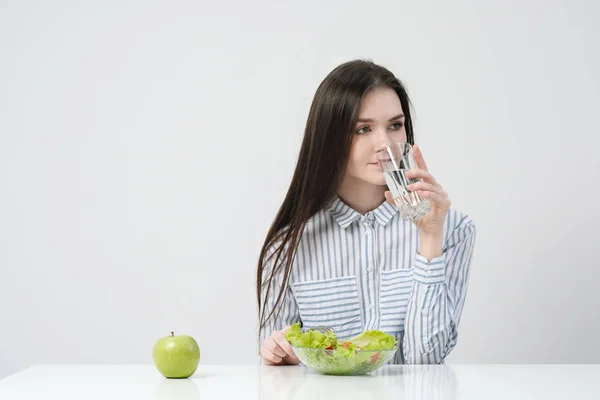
(382, 139)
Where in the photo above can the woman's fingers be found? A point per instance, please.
(284, 345)
(419, 159)
(291, 357)
(269, 357)
(422, 174)
(441, 200)
(277, 349)
(291, 360)
(389, 197)
(426, 186)
(274, 347)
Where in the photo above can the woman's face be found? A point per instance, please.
(380, 122)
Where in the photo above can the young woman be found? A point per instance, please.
(339, 254)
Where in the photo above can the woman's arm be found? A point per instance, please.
(286, 314)
(438, 296)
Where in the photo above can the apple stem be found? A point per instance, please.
(172, 334)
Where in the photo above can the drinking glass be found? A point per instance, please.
(395, 159)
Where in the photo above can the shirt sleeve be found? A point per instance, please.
(438, 297)
(287, 313)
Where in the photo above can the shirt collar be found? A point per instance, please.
(346, 215)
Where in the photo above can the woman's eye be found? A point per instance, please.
(362, 130)
(397, 126)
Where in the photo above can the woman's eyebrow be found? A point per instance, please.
(391, 119)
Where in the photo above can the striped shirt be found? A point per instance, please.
(355, 272)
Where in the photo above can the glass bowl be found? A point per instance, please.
(334, 362)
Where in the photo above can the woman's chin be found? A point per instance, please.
(373, 178)
(378, 180)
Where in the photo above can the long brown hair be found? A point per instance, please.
(321, 165)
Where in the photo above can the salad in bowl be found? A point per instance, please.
(323, 352)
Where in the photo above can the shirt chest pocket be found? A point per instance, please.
(396, 288)
(330, 302)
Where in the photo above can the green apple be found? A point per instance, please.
(176, 356)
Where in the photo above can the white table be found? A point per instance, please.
(113, 382)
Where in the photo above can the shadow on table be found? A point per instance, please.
(180, 389)
(390, 382)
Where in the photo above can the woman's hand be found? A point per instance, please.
(431, 225)
(276, 350)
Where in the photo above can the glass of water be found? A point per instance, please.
(395, 159)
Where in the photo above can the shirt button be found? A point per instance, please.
(368, 232)
(369, 268)
(370, 217)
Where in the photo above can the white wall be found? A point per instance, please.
(146, 145)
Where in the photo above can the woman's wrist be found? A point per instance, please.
(430, 245)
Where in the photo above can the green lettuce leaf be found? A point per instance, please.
(369, 340)
(374, 340)
(310, 338)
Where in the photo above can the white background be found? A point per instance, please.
(145, 147)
